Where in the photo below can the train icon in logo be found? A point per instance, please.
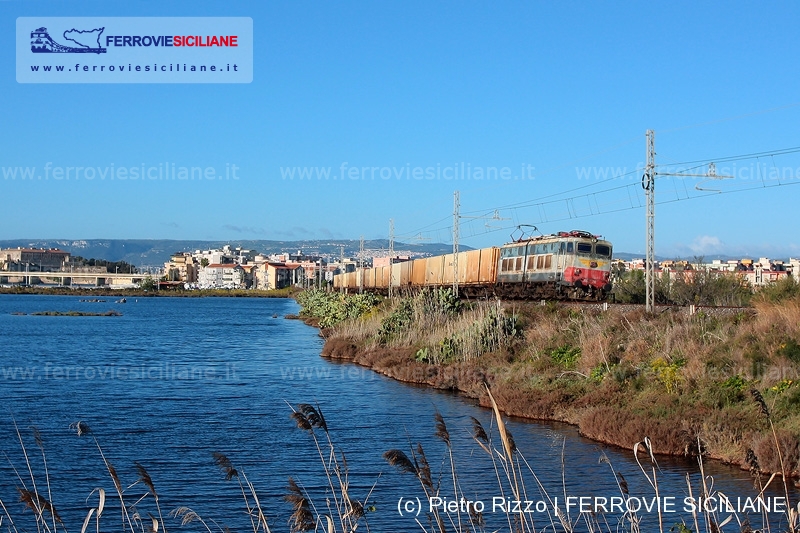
(86, 41)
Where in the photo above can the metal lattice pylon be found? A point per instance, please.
(648, 182)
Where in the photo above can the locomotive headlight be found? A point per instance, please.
(577, 271)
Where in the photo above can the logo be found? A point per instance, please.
(134, 50)
(87, 41)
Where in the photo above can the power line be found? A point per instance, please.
(416, 231)
(523, 204)
(570, 201)
(754, 155)
(663, 202)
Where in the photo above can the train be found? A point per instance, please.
(568, 265)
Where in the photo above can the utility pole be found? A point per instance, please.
(456, 205)
(361, 266)
(648, 182)
(391, 253)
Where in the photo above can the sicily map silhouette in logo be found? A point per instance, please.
(87, 41)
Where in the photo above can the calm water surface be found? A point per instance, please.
(174, 380)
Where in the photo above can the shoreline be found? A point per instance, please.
(394, 364)
(599, 412)
(134, 293)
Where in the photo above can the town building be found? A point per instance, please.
(757, 273)
(33, 259)
(182, 267)
(221, 276)
(270, 276)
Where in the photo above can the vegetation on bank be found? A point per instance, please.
(698, 287)
(714, 383)
(332, 308)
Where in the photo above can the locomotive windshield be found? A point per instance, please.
(603, 250)
(584, 248)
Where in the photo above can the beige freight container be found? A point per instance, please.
(395, 274)
(447, 270)
(471, 268)
(401, 274)
(434, 270)
(463, 267)
(488, 265)
(418, 269)
(384, 277)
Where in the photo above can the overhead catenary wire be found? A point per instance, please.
(740, 157)
(540, 204)
(662, 202)
(604, 209)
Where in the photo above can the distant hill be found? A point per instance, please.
(154, 252)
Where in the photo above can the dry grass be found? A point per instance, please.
(673, 376)
(361, 330)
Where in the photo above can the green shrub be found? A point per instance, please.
(668, 374)
(332, 308)
(731, 391)
(780, 290)
(792, 401)
(422, 356)
(598, 373)
(439, 302)
(496, 330)
(790, 350)
(566, 356)
(398, 320)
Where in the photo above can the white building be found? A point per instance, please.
(218, 276)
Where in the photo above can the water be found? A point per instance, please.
(174, 380)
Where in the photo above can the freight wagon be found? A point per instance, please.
(573, 265)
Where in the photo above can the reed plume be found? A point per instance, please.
(424, 469)
(145, 478)
(302, 421)
(759, 399)
(222, 461)
(400, 460)
(38, 504)
(441, 429)
(187, 516)
(81, 428)
(302, 518)
(478, 432)
(313, 416)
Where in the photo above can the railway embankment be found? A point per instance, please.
(718, 382)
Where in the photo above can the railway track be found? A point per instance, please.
(626, 308)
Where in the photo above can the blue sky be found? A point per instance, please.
(562, 91)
